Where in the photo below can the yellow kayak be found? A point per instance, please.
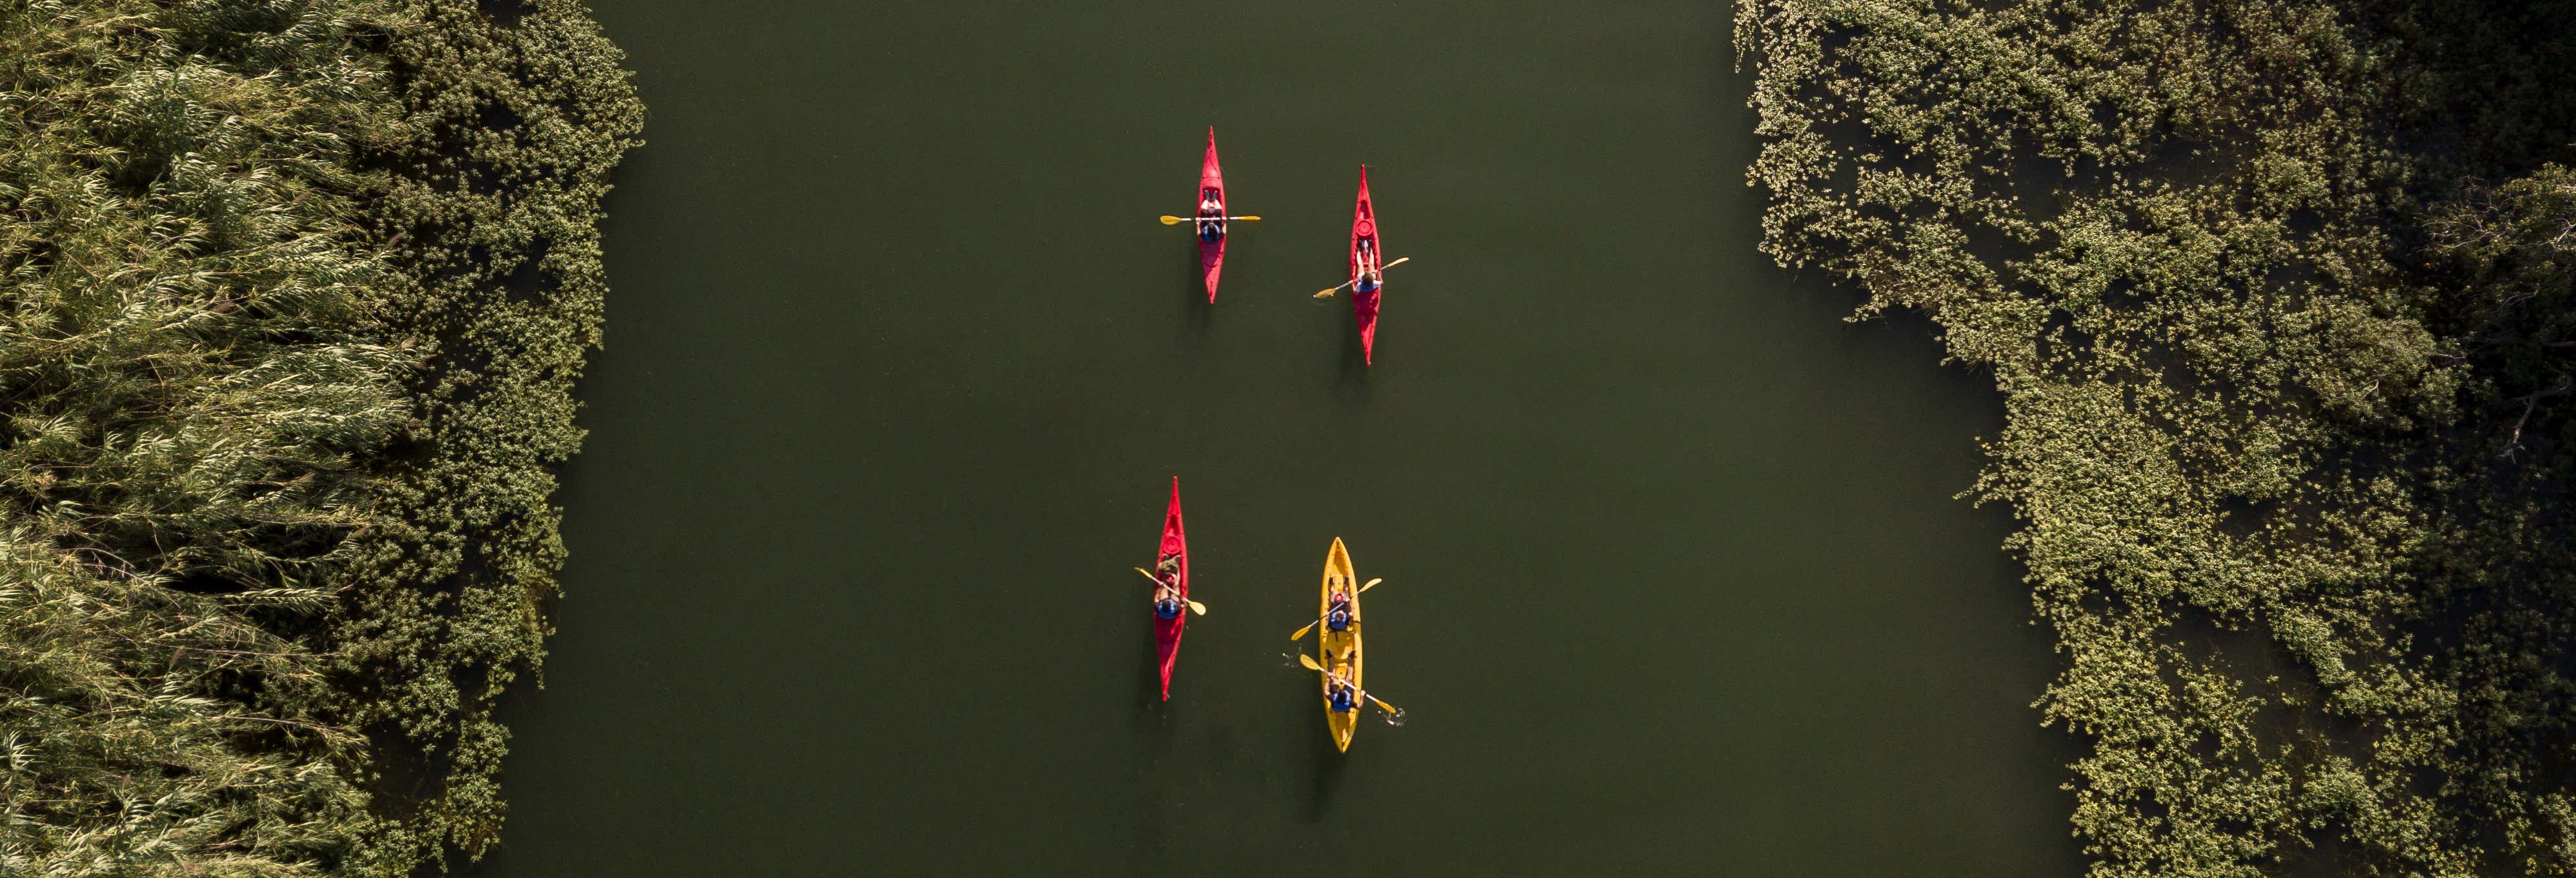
(1340, 650)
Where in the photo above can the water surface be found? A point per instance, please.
(900, 364)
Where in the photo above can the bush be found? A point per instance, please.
(2284, 385)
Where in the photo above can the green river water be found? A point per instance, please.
(900, 363)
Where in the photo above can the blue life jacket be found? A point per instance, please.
(1167, 609)
(1338, 619)
(1342, 700)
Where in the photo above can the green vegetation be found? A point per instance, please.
(2277, 293)
(294, 296)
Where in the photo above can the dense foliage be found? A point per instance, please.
(517, 112)
(291, 296)
(2277, 293)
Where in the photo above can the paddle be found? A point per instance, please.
(1309, 662)
(1177, 220)
(1195, 606)
(1329, 293)
(1310, 626)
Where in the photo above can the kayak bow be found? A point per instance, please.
(1167, 632)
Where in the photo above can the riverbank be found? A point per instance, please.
(2276, 292)
(298, 291)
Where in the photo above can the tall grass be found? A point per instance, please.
(237, 472)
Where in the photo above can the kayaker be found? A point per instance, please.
(1211, 217)
(1167, 589)
(1344, 700)
(1338, 615)
(1368, 279)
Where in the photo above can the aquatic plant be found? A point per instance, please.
(2285, 368)
(517, 112)
(241, 324)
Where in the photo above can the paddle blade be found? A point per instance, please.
(1171, 221)
(1372, 583)
(1309, 662)
(1327, 294)
(1395, 263)
(1198, 608)
(1249, 219)
(1382, 705)
(1301, 632)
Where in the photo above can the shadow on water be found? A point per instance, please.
(1153, 714)
(1196, 310)
(1160, 801)
(1355, 364)
(1329, 763)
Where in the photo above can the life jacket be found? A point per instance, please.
(1167, 609)
(1342, 699)
(1340, 616)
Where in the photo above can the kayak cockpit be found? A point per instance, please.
(1367, 274)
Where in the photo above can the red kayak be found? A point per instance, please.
(1211, 186)
(1366, 256)
(1167, 632)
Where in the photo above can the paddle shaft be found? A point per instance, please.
(1355, 619)
(1318, 667)
(1310, 626)
(1358, 692)
(1380, 270)
(1195, 606)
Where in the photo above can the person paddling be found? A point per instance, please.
(1344, 698)
(1167, 588)
(1341, 695)
(1337, 615)
(1368, 279)
(1211, 216)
